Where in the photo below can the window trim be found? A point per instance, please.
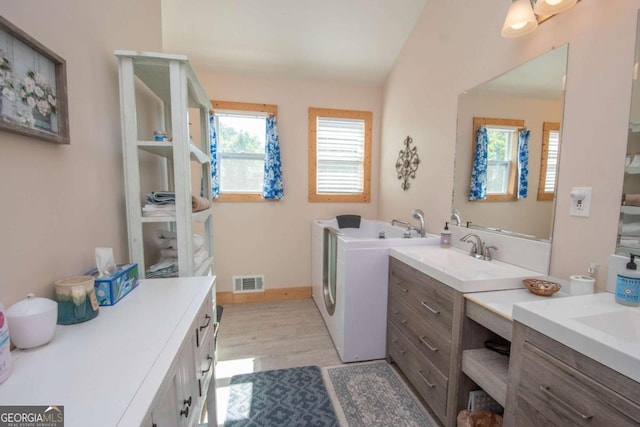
(512, 187)
(547, 127)
(242, 107)
(367, 116)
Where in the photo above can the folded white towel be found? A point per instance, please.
(630, 229)
(630, 243)
(166, 239)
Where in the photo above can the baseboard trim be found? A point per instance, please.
(277, 294)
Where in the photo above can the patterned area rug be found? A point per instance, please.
(283, 397)
(373, 394)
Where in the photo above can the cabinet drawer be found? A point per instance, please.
(567, 396)
(205, 323)
(425, 377)
(432, 344)
(423, 294)
(205, 363)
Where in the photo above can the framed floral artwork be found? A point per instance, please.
(33, 87)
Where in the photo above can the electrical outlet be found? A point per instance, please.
(580, 201)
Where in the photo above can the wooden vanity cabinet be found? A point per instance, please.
(553, 385)
(423, 336)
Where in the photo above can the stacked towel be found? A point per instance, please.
(167, 266)
(163, 203)
(631, 229)
(199, 203)
(631, 199)
(162, 198)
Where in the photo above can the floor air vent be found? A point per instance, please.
(248, 284)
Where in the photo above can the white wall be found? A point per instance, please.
(456, 45)
(274, 238)
(60, 202)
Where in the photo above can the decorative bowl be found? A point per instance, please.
(541, 287)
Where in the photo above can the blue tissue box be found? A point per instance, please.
(111, 289)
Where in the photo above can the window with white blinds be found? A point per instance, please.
(340, 156)
(339, 159)
(549, 160)
(552, 162)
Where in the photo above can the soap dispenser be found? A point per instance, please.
(628, 284)
(445, 236)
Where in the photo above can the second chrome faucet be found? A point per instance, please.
(479, 249)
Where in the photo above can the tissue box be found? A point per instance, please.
(111, 289)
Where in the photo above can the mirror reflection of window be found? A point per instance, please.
(549, 160)
(502, 157)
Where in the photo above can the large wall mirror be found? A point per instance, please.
(520, 108)
(629, 227)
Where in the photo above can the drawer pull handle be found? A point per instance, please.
(424, 303)
(425, 380)
(547, 390)
(429, 346)
(400, 318)
(210, 359)
(208, 320)
(394, 341)
(405, 290)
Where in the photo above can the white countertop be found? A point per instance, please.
(99, 370)
(502, 302)
(594, 325)
(456, 269)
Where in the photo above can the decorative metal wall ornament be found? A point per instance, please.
(407, 163)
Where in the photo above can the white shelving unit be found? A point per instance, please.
(173, 81)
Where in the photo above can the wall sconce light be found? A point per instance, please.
(552, 7)
(524, 16)
(520, 19)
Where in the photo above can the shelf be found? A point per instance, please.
(489, 370)
(165, 149)
(153, 70)
(200, 216)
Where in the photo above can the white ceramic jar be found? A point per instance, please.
(32, 321)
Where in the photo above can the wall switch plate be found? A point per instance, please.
(580, 201)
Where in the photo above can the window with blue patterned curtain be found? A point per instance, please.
(500, 163)
(245, 154)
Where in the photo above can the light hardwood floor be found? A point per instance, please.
(269, 335)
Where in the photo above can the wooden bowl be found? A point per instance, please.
(541, 287)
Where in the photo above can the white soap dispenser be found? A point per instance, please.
(445, 236)
(628, 284)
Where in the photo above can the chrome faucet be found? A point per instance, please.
(455, 217)
(403, 223)
(419, 215)
(477, 248)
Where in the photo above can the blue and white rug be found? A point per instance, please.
(373, 394)
(282, 397)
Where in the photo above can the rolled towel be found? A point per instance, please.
(199, 203)
(632, 199)
(630, 229)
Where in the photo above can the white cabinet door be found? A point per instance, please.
(169, 410)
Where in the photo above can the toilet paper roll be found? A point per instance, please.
(581, 285)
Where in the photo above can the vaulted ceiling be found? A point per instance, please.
(341, 40)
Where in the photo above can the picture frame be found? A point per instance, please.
(33, 87)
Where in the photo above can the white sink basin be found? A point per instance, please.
(593, 325)
(457, 269)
